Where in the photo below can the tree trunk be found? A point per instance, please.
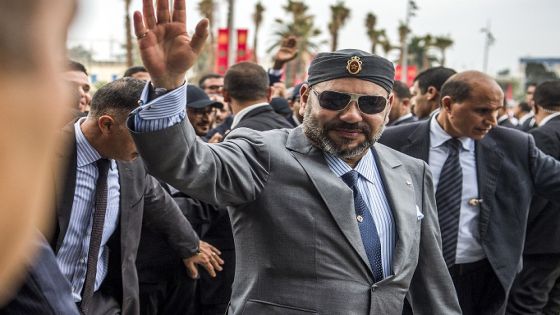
(129, 61)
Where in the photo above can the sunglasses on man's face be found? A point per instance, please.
(337, 101)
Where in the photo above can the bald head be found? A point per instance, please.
(463, 85)
(470, 102)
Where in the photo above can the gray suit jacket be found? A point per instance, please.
(142, 202)
(299, 249)
(510, 169)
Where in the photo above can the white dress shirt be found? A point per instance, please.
(468, 244)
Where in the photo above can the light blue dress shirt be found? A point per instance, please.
(469, 248)
(73, 253)
(371, 188)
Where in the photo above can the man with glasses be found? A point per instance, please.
(201, 110)
(324, 219)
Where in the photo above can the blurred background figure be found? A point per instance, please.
(425, 90)
(76, 73)
(137, 72)
(33, 102)
(400, 108)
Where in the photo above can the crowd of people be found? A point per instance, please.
(348, 193)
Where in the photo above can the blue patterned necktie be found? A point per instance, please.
(448, 201)
(368, 230)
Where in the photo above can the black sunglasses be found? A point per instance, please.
(337, 101)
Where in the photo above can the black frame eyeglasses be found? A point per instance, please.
(338, 101)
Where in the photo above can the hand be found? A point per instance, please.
(208, 257)
(166, 49)
(216, 138)
(287, 52)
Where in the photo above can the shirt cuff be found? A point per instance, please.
(275, 72)
(162, 112)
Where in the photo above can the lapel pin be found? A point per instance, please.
(408, 183)
(475, 202)
(360, 218)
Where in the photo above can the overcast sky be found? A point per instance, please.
(521, 27)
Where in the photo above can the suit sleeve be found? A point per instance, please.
(544, 170)
(229, 173)
(162, 215)
(431, 289)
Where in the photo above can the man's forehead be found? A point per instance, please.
(76, 76)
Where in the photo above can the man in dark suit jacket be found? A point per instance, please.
(400, 107)
(132, 199)
(537, 288)
(501, 169)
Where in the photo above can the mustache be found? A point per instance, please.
(361, 126)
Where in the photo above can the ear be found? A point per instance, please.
(227, 97)
(405, 102)
(446, 103)
(389, 106)
(431, 93)
(304, 98)
(105, 124)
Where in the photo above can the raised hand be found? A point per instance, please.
(286, 52)
(166, 49)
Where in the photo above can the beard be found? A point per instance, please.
(319, 136)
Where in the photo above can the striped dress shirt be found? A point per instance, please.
(371, 188)
(170, 110)
(73, 253)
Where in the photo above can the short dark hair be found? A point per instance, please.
(134, 69)
(206, 77)
(117, 98)
(528, 84)
(435, 77)
(73, 65)
(525, 107)
(401, 90)
(246, 81)
(547, 94)
(458, 90)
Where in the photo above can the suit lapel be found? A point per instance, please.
(488, 165)
(126, 181)
(336, 195)
(399, 191)
(419, 142)
(65, 183)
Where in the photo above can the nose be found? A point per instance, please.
(351, 113)
(492, 119)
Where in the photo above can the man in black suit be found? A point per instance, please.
(102, 202)
(400, 107)
(537, 288)
(484, 199)
(426, 90)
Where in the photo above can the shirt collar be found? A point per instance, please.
(403, 117)
(365, 166)
(86, 153)
(237, 117)
(548, 118)
(438, 136)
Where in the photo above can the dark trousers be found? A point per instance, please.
(214, 293)
(536, 289)
(478, 288)
(103, 304)
(170, 294)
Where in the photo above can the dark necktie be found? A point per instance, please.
(368, 230)
(96, 233)
(448, 200)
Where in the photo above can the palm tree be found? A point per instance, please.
(419, 51)
(206, 9)
(128, 35)
(371, 31)
(442, 43)
(403, 35)
(257, 19)
(302, 27)
(339, 15)
(385, 43)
